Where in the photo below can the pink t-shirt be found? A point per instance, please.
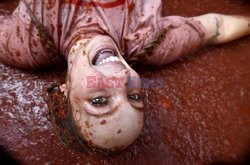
(133, 24)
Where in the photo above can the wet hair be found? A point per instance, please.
(61, 118)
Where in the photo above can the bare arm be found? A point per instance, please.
(223, 28)
(186, 35)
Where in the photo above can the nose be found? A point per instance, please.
(122, 76)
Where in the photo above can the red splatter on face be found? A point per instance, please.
(119, 131)
(84, 53)
(103, 122)
(87, 124)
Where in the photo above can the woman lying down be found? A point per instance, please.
(97, 39)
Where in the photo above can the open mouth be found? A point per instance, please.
(105, 57)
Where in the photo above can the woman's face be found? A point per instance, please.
(106, 107)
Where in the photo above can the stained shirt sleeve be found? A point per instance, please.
(20, 45)
(182, 37)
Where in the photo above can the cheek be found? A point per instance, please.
(77, 117)
(82, 123)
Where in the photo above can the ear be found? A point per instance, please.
(64, 89)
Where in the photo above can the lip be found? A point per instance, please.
(97, 57)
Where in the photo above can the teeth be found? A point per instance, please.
(112, 59)
(109, 59)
